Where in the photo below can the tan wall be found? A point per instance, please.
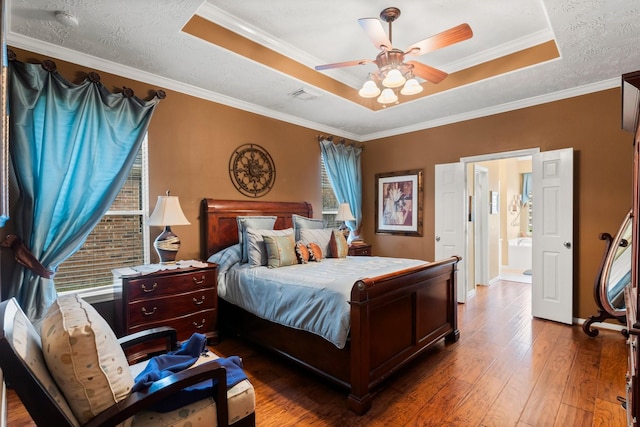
(191, 140)
(602, 164)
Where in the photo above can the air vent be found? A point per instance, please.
(304, 94)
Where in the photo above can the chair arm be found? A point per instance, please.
(159, 390)
(170, 334)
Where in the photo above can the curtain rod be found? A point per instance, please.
(92, 76)
(342, 141)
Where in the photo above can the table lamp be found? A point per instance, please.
(167, 213)
(344, 214)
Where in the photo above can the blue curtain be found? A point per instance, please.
(342, 163)
(72, 148)
(526, 187)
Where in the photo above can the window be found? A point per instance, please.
(119, 240)
(329, 200)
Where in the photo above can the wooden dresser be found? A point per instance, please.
(185, 299)
(630, 119)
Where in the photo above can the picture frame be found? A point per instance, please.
(399, 203)
(4, 118)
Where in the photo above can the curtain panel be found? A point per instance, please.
(72, 147)
(342, 162)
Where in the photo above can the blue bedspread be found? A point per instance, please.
(313, 297)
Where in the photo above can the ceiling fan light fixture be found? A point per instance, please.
(394, 78)
(411, 87)
(387, 96)
(369, 89)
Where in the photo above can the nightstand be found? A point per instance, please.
(363, 249)
(183, 298)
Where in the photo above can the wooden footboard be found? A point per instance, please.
(394, 317)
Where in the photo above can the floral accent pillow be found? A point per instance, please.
(315, 253)
(302, 252)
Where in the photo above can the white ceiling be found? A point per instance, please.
(142, 39)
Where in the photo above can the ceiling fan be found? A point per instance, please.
(393, 71)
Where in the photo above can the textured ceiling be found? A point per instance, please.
(144, 39)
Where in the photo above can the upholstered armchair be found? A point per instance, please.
(75, 373)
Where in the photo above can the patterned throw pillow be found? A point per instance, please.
(84, 357)
(257, 251)
(338, 245)
(302, 252)
(315, 253)
(280, 251)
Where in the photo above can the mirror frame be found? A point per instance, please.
(600, 294)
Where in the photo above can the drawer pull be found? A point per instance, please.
(144, 287)
(149, 313)
(198, 282)
(200, 326)
(198, 302)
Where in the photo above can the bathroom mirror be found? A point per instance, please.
(613, 276)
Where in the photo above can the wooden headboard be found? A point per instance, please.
(219, 228)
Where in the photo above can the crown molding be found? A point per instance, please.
(502, 108)
(65, 54)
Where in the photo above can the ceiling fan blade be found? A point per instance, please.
(375, 32)
(425, 72)
(440, 40)
(342, 64)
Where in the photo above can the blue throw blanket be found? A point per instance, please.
(167, 364)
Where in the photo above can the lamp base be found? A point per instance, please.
(167, 245)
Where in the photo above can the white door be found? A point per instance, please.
(552, 198)
(450, 218)
(481, 226)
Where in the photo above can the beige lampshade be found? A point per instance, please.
(344, 213)
(168, 212)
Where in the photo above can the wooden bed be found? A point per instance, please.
(394, 317)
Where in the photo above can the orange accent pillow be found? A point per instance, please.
(302, 252)
(338, 245)
(315, 253)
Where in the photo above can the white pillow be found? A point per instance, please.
(321, 237)
(302, 222)
(84, 357)
(257, 251)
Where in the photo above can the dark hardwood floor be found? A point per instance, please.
(507, 369)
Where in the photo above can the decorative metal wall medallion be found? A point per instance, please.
(252, 170)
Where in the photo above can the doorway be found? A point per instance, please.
(552, 226)
(495, 227)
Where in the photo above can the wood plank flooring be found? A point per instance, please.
(507, 369)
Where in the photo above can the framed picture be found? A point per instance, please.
(399, 203)
(4, 117)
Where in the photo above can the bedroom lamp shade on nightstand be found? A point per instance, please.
(344, 213)
(167, 213)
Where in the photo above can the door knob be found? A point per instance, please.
(567, 245)
(437, 238)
